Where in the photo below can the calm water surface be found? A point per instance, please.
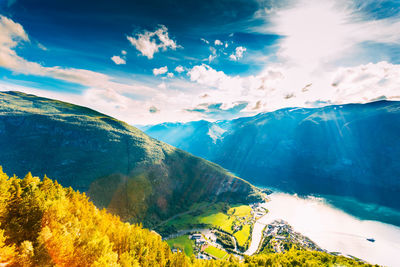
(333, 229)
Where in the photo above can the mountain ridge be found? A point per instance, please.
(340, 149)
(135, 176)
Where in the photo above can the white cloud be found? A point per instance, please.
(42, 47)
(232, 57)
(289, 82)
(123, 52)
(213, 54)
(179, 69)
(160, 71)
(129, 100)
(148, 43)
(317, 33)
(12, 34)
(218, 42)
(274, 88)
(204, 40)
(238, 53)
(162, 85)
(118, 60)
(366, 82)
(170, 75)
(318, 37)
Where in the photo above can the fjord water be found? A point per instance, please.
(333, 229)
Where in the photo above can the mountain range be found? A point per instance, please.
(118, 166)
(347, 150)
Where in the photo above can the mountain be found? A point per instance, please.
(349, 150)
(118, 166)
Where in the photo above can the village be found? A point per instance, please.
(218, 242)
(280, 237)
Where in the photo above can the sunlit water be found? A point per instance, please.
(332, 229)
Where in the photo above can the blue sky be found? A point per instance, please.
(147, 62)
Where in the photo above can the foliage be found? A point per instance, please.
(301, 258)
(225, 240)
(243, 235)
(134, 176)
(45, 224)
(216, 215)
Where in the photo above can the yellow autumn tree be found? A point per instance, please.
(45, 224)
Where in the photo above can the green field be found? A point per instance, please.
(219, 216)
(183, 243)
(220, 220)
(216, 252)
(243, 210)
(243, 235)
(213, 215)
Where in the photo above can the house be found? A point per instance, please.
(203, 257)
(196, 236)
(200, 241)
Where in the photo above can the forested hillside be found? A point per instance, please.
(45, 224)
(118, 166)
(346, 150)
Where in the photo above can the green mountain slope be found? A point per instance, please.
(342, 150)
(121, 168)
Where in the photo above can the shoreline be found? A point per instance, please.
(331, 229)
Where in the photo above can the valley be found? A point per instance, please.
(339, 150)
(291, 221)
(195, 206)
(118, 166)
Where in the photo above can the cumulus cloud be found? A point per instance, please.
(274, 88)
(366, 82)
(129, 100)
(153, 109)
(160, 71)
(318, 39)
(179, 69)
(12, 34)
(238, 54)
(205, 41)
(170, 75)
(218, 42)
(316, 33)
(148, 43)
(213, 54)
(217, 111)
(162, 85)
(315, 36)
(205, 75)
(118, 60)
